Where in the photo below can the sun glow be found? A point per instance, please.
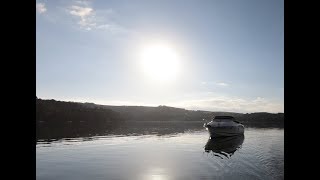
(160, 62)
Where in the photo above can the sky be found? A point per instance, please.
(215, 55)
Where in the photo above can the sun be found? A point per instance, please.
(160, 62)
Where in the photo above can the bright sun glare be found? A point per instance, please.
(160, 62)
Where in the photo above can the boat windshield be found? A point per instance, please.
(226, 118)
(223, 117)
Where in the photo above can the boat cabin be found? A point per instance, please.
(225, 118)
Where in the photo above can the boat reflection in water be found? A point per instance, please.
(224, 146)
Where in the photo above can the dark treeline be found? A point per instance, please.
(58, 119)
(262, 119)
(55, 119)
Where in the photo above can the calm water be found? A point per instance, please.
(259, 154)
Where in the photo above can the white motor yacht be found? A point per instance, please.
(224, 126)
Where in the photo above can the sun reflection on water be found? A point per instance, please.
(157, 174)
(158, 177)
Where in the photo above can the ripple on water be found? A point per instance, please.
(177, 156)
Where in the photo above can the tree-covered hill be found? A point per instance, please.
(69, 119)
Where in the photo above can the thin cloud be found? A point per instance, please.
(258, 104)
(104, 102)
(88, 18)
(82, 12)
(85, 15)
(82, 2)
(222, 84)
(113, 28)
(41, 8)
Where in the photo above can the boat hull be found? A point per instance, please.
(225, 131)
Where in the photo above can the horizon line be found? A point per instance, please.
(159, 106)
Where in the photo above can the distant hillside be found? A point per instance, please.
(58, 118)
(66, 119)
(262, 119)
(160, 113)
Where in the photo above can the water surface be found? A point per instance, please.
(259, 154)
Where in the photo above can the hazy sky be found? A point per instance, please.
(229, 53)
